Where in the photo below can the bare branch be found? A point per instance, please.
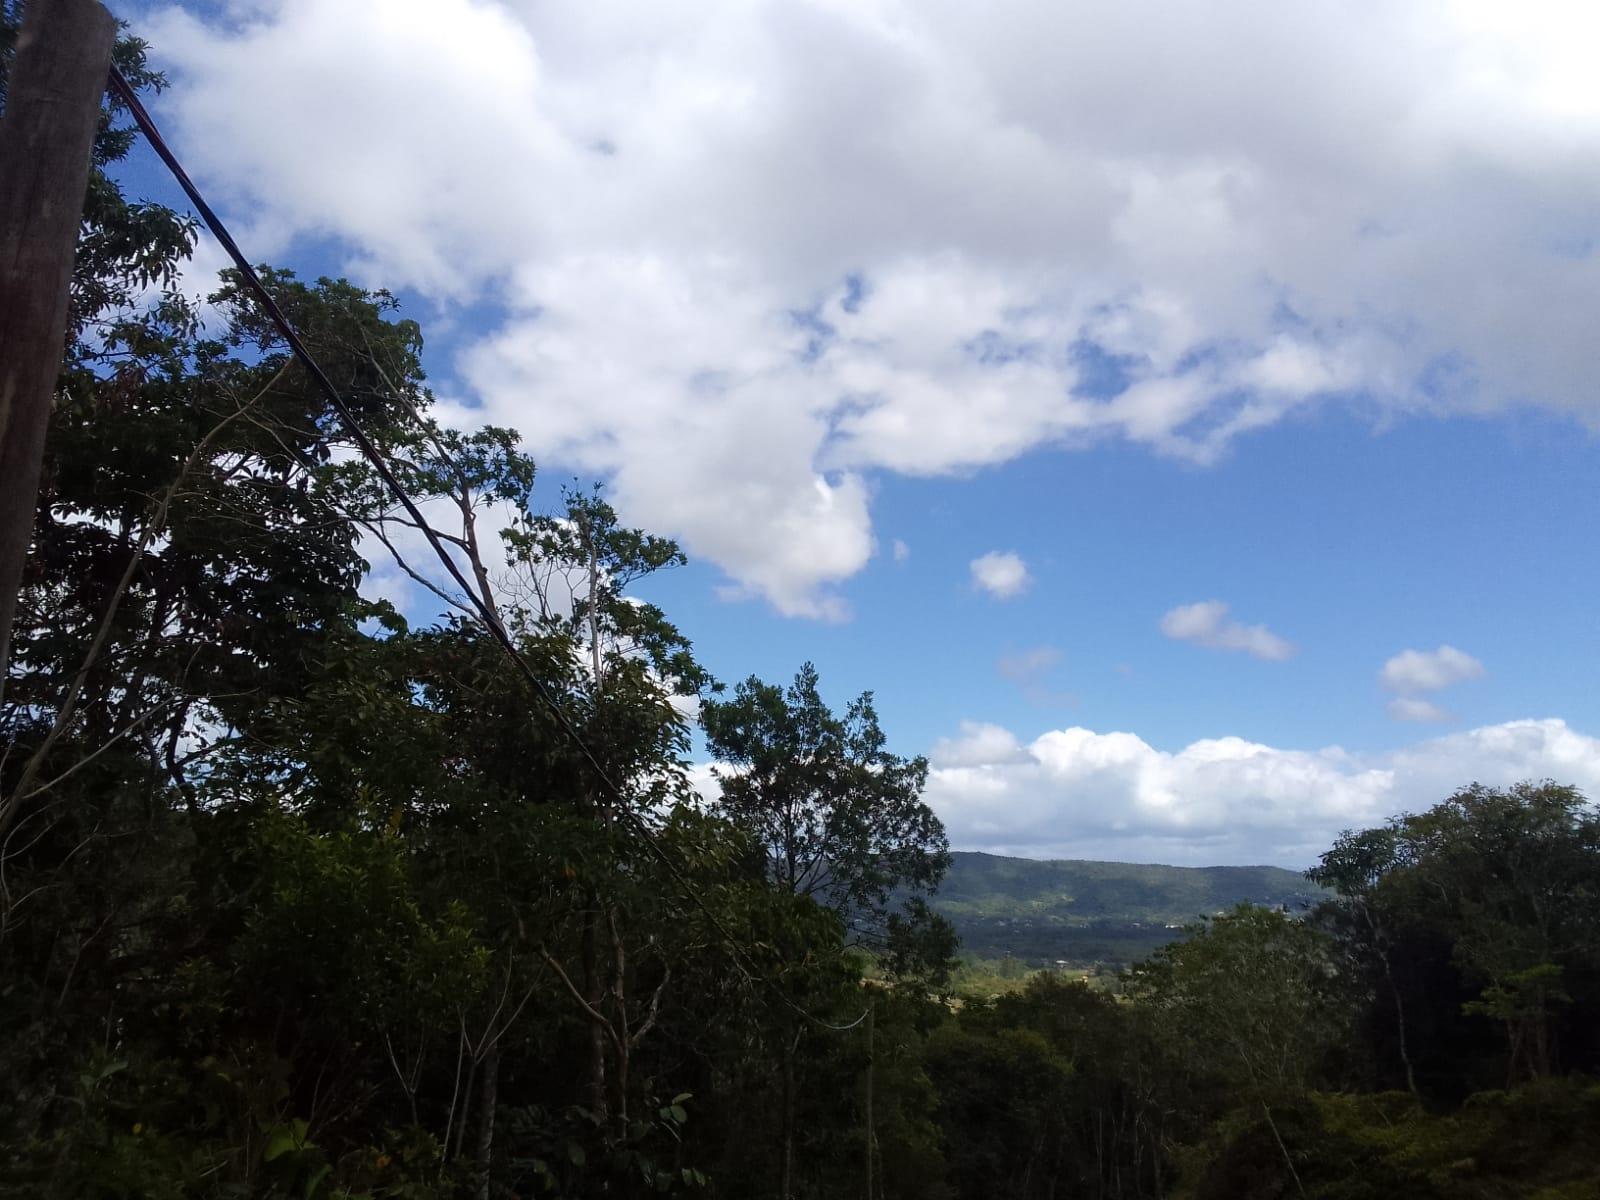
(157, 522)
(654, 1010)
(598, 1018)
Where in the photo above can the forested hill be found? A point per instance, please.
(1085, 912)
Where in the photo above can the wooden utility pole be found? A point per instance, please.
(46, 140)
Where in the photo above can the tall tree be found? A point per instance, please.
(840, 822)
(840, 816)
(1479, 909)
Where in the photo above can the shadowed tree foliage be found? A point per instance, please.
(1476, 921)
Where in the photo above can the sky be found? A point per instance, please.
(1181, 416)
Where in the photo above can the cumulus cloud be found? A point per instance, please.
(1207, 624)
(739, 258)
(1413, 671)
(979, 745)
(1082, 794)
(1002, 574)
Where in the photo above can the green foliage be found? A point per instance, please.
(1534, 1143)
(1056, 1090)
(839, 816)
(1477, 920)
(301, 899)
(1253, 997)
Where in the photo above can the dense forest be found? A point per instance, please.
(302, 898)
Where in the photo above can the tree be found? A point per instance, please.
(840, 823)
(1256, 993)
(839, 816)
(1354, 867)
(1055, 1091)
(1480, 907)
(1253, 998)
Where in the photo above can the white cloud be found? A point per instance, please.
(1206, 624)
(702, 780)
(1002, 574)
(902, 552)
(1081, 794)
(746, 255)
(980, 745)
(1415, 708)
(1413, 671)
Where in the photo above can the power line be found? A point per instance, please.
(480, 604)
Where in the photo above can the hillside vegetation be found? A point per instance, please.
(1084, 913)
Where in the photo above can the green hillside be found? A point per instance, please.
(1083, 912)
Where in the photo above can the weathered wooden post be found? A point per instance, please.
(46, 140)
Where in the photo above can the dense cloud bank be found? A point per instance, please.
(740, 257)
(1075, 793)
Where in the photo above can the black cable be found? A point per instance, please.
(375, 458)
(369, 451)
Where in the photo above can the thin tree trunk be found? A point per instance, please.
(870, 1065)
(1514, 1040)
(1287, 1160)
(486, 1114)
(1100, 1147)
(1400, 1024)
(594, 984)
(619, 991)
(786, 1186)
(594, 997)
(1160, 1140)
(466, 1109)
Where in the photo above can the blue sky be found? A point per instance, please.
(1273, 394)
(1352, 542)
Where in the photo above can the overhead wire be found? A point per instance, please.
(480, 604)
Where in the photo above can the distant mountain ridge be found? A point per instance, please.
(1084, 912)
